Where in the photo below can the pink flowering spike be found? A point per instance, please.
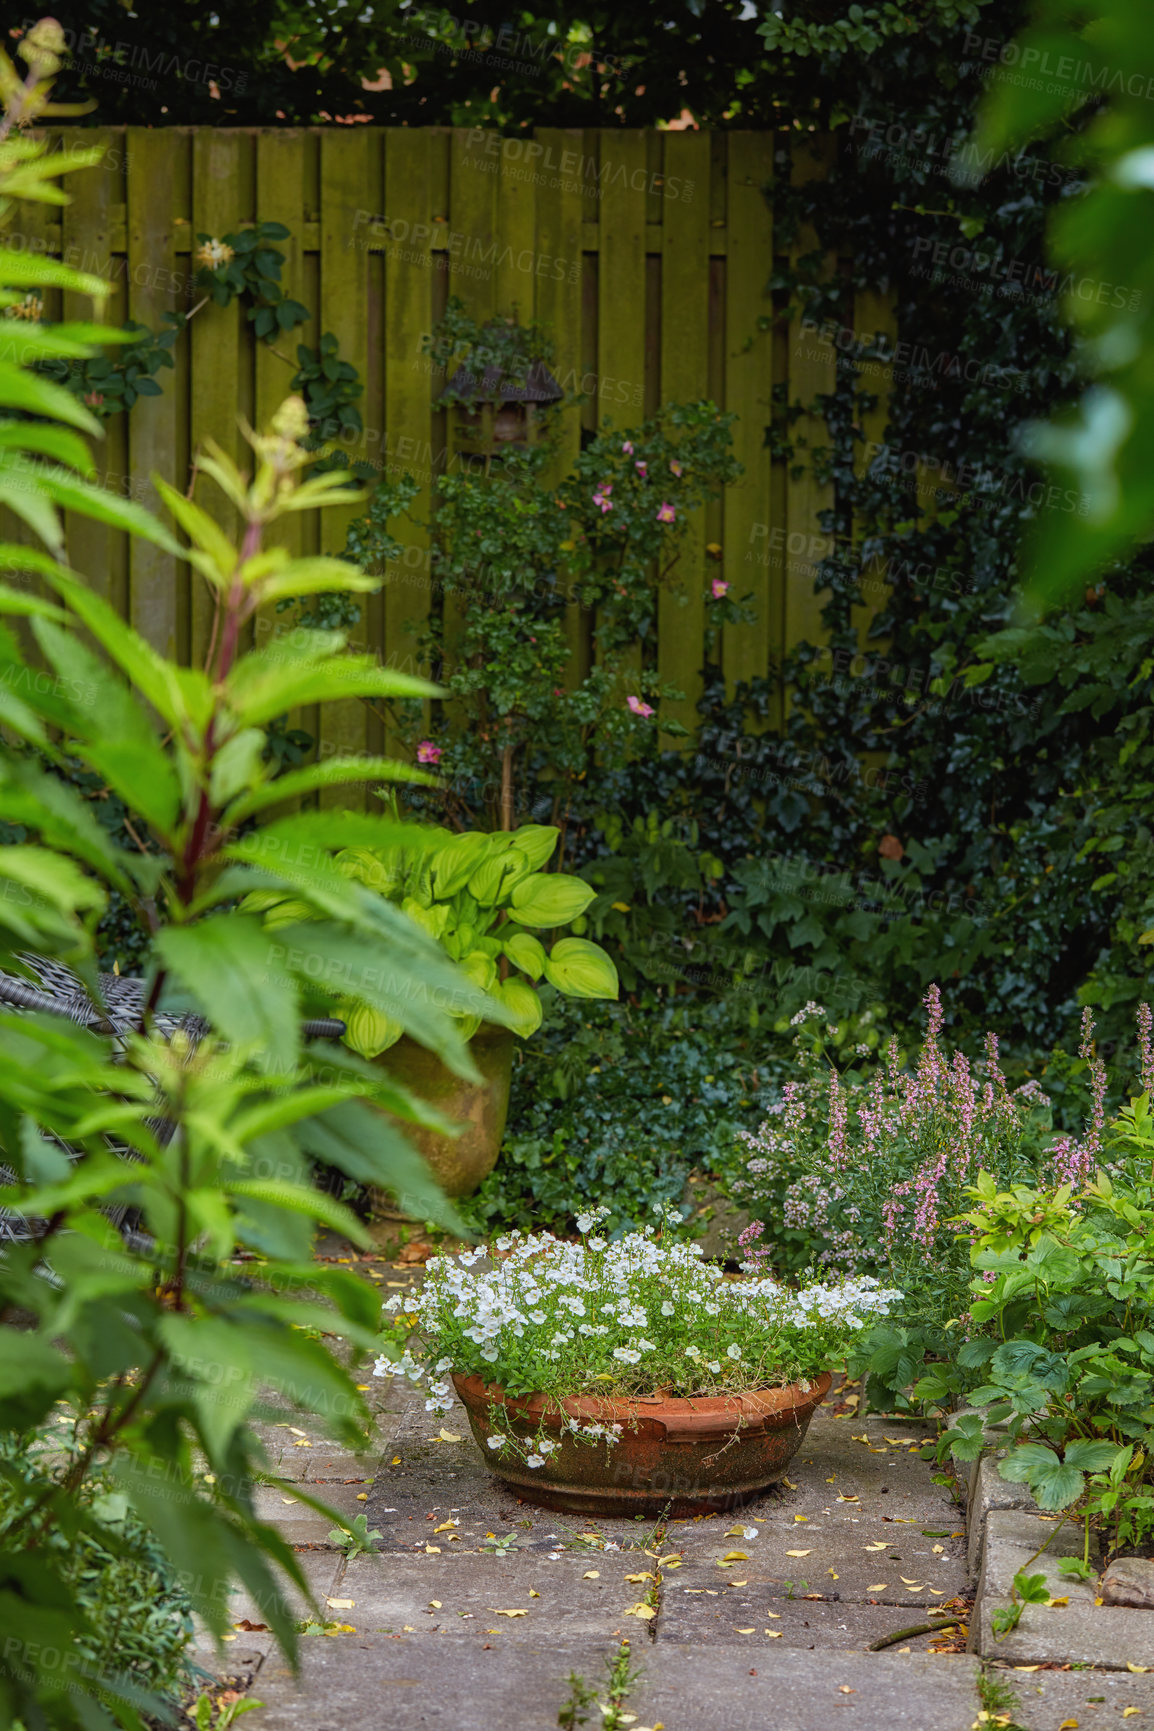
(720, 588)
(1146, 1050)
(427, 752)
(666, 512)
(639, 707)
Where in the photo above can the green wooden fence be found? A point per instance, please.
(647, 252)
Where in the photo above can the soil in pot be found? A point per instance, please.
(680, 1455)
(463, 1162)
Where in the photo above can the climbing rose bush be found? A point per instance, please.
(639, 1315)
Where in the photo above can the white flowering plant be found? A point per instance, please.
(642, 1315)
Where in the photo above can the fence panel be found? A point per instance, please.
(648, 253)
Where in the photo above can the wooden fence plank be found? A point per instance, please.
(684, 378)
(215, 346)
(560, 215)
(747, 519)
(86, 224)
(350, 181)
(156, 162)
(407, 395)
(812, 373)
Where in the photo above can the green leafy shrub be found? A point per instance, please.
(617, 1104)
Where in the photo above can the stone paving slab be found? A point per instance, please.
(434, 1595)
(298, 1523)
(745, 1618)
(1081, 1632)
(453, 1684)
(1096, 1699)
(701, 1688)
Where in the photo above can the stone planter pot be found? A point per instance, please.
(462, 1162)
(698, 1455)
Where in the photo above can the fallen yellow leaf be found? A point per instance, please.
(510, 1613)
(878, 1587)
(295, 1431)
(533, 1593)
(675, 1564)
(1064, 1600)
(799, 1553)
(735, 1557)
(937, 1550)
(640, 1609)
(1138, 1670)
(746, 1631)
(432, 1550)
(918, 1586)
(737, 1584)
(832, 1576)
(1128, 1712)
(449, 1435)
(1068, 1725)
(644, 1576)
(878, 1545)
(790, 1484)
(774, 1634)
(591, 1575)
(445, 1527)
(844, 1689)
(801, 1517)
(362, 1496)
(735, 1532)
(396, 1460)
(776, 1615)
(288, 1500)
(340, 1604)
(435, 1603)
(301, 1444)
(671, 1559)
(1027, 1667)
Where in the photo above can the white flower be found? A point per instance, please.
(546, 1448)
(713, 1365)
(534, 1460)
(668, 1309)
(733, 1351)
(626, 1354)
(495, 1442)
(693, 1352)
(584, 1223)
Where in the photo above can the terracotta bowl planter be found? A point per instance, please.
(460, 1163)
(700, 1454)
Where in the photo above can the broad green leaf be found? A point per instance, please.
(454, 864)
(214, 1356)
(315, 1204)
(523, 1003)
(365, 1146)
(550, 899)
(227, 963)
(537, 841)
(1090, 1456)
(580, 969)
(35, 270)
(526, 952)
(116, 737)
(311, 667)
(92, 500)
(20, 389)
(57, 442)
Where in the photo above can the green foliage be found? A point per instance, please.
(1063, 1353)
(355, 1540)
(513, 549)
(1103, 446)
(615, 1104)
(137, 1623)
(467, 892)
(159, 1343)
(247, 266)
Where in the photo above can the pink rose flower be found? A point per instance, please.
(427, 752)
(666, 512)
(638, 707)
(642, 469)
(674, 466)
(627, 448)
(601, 497)
(720, 588)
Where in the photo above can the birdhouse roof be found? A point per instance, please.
(538, 386)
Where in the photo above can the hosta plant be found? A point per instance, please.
(483, 898)
(634, 1316)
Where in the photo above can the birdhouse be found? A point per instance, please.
(492, 414)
